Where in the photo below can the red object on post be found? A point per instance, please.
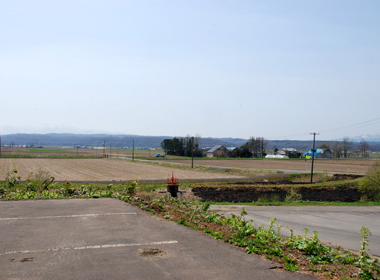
(172, 185)
(172, 180)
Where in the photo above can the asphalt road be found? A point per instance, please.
(338, 225)
(110, 239)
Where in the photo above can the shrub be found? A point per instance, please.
(35, 180)
(12, 178)
(131, 188)
(370, 185)
(292, 195)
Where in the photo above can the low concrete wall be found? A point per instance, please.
(345, 193)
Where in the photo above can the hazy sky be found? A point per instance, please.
(275, 69)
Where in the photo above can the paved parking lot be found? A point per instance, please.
(338, 225)
(110, 239)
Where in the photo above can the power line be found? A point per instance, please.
(349, 126)
(366, 123)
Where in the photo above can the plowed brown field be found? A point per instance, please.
(357, 166)
(99, 170)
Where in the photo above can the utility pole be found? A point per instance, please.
(312, 159)
(133, 149)
(192, 152)
(104, 147)
(117, 152)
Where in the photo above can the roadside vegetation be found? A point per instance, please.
(370, 184)
(294, 253)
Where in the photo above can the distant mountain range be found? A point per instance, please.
(71, 139)
(374, 137)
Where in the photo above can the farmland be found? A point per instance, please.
(99, 170)
(329, 165)
(113, 169)
(59, 151)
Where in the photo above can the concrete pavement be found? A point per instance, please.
(108, 239)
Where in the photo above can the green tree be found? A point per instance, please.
(173, 146)
(370, 185)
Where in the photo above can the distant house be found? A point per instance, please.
(319, 153)
(289, 152)
(217, 151)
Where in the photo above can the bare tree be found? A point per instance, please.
(197, 140)
(346, 145)
(264, 144)
(252, 146)
(364, 147)
(336, 148)
(257, 146)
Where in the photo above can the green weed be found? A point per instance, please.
(292, 195)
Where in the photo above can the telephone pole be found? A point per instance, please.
(192, 152)
(312, 159)
(133, 149)
(104, 148)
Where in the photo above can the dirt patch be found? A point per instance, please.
(345, 191)
(151, 252)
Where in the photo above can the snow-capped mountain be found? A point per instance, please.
(374, 137)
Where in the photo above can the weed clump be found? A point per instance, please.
(370, 185)
(38, 181)
(292, 195)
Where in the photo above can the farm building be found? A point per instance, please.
(289, 152)
(276, 156)
(217, 151)
(319, 153)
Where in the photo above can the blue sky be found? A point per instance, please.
(275, 69)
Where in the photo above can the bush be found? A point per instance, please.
(131, 188)
(292, 195)
(370, 185)
(35, 180)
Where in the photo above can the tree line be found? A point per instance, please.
(182, 146)
(255, 147)
(342, 149)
